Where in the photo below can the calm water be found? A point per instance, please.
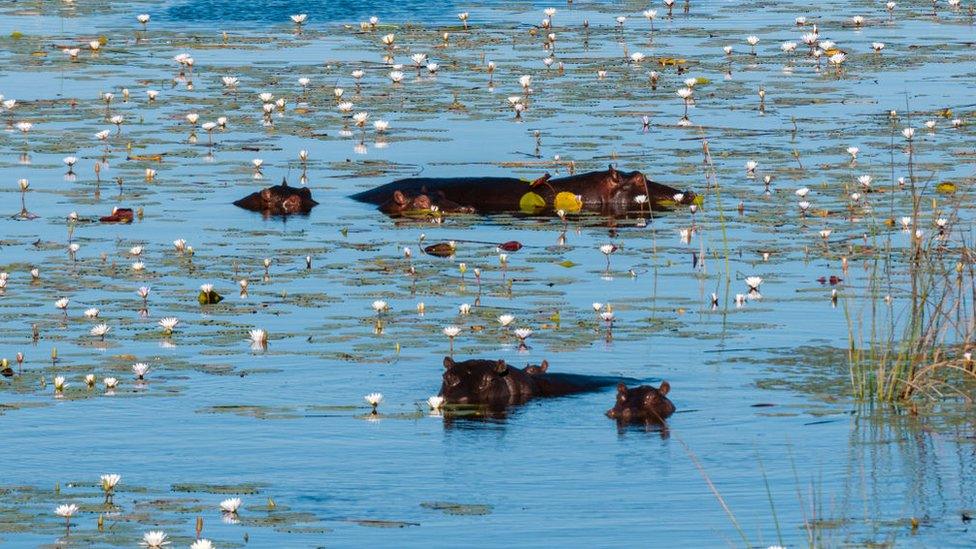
(292, 419)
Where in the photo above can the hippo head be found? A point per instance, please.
(400, 203)
(644, 403)
(534, 370)
(279, 200)
(624, 186)
(478, 381)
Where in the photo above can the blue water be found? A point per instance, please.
(555, 472)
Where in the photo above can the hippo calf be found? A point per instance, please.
(611, 192)
(404, 204)
(495, 384)
(642, 404)
(279, 200)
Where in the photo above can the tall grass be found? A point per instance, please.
(916, 319)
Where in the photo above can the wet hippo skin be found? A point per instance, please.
(642, 404)
(608, 192)
(279, 200)
(495, 384)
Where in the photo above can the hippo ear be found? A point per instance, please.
(544, 366)
(621, 389)
(501, 368)
(448, 363)
(284, 182)
(614, 174)
(399, 198)
(664, 388)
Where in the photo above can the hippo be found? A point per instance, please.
(494, 384)
(279, 200)
(643, 404)
(610, 192)
(536, 369)
(407, 204)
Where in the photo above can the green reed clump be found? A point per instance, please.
(897, 353)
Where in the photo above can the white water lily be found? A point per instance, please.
(258, 336)
(91, 313)
(154, 539)
(906, 222)
(608, 249)
(396, 76)
(66, 511)
(230, 505)
(99, 330)
(110, 382)
(523, 333)
(108, 482)
(59, 384)
(140, 369)
(374, 399)
(435, 402)
(61, 303)
(753, 282)
(505, 319)
(452, 331)
(525, 81)
(381, 125)
(90, 380)
(597, 306)
(135, 250)
(865, 180)
(802, 192)
(143, 292)
(299, 18)
(464, 308)
(168, 324)
(202, 544)
(379, 306)
(360, 118)
(138, 266)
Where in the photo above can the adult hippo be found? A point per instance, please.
(607, 192)
(643, 404)
(496, 385)
(279, 200)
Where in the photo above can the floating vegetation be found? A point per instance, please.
(811, 305)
